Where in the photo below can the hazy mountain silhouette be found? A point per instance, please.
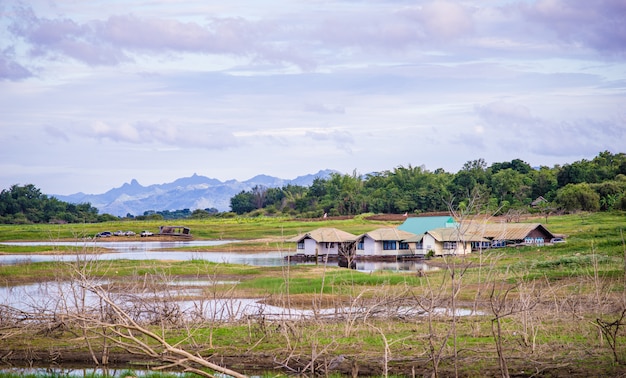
(195, 192)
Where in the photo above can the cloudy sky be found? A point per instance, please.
(96, 93)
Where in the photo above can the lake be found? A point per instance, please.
(158, 250)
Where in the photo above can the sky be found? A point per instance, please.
(96, 93)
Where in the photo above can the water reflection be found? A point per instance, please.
(196, 299)
(155, 250)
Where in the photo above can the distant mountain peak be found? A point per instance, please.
(191, 192)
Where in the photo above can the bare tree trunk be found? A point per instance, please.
(120, 329)
(500, 309)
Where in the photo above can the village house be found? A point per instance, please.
(450, 238)
(384, 242)
(473, 236)
(506, 234)
(325, 241)
(446, 241)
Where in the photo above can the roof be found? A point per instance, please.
(419, 225)
(414, 239)
(326, 235)
(507, 231)
(388, 233)
(445, 234)
(539, 200)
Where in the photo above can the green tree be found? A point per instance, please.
(543, 183)
(345, 194)
(462, 184)
(507, 184)
(610, 193)
(515, 164)
(291, 195)
(574, 197)
(407, 189)
(26, 204)
(274, 197)
(576, 173)
(608, 165)
(242, 203)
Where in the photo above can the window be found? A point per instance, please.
(449, 245)
(360, 246)
(301, 244)
(480, 245)
(419, 245)
(389, 245)
(404, 245)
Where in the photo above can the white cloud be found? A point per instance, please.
(446, 20)
(162, 132)
(241, 88)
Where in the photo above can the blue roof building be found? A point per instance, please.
(420, 225)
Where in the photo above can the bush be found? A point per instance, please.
(574, 197)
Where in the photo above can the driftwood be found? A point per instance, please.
(121, 330)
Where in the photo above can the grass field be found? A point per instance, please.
(237, 228)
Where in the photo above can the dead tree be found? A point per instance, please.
(347, 254)
(610, 331)
(122, 330)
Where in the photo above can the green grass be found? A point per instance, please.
(38, 249)
(48, 271)
(238, 228)
(594, 242)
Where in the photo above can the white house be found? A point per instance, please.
(470, 236)
(386, 241)
(505, 234)
(323, 241)
(448, 241)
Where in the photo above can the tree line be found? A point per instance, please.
(26, 204)
(598, 184)
(175, 214)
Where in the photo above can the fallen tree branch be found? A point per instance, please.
(123, 331)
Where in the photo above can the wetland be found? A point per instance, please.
(551, 311)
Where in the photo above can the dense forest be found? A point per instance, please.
(501, 188)
(507, 187)
(26, 204)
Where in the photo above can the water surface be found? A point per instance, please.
(157, 250)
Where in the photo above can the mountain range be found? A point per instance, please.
(195, 192)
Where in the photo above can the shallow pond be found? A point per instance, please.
(155, 250)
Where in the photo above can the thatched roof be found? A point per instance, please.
(388, 233)
(506, 231)
(453, 234)
(414, 238)
(326, 235)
